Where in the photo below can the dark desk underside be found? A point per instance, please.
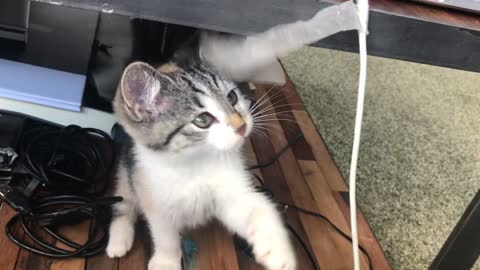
(398, 29)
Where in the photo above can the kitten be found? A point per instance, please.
(184, 165)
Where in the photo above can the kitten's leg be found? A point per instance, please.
(254, 217)
(167, 252)
(166, 238)
(122, 228)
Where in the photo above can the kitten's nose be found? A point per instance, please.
(237, 123)
(241, 130)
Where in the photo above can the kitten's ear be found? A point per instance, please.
(140, 86)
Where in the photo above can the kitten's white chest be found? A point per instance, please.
(185, 191)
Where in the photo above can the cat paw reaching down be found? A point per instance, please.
(272, 249)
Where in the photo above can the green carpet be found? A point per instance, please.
(419, 161)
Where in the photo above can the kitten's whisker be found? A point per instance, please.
(265, 123)
(266, 99)
(275, 133)
(286, 115)
(270, 131)
(273, 126)
(281, 98)
(277, 96)
(271, 99)
(262, 97)
(260, 132)
(267, 129)
(278, 101)
(262, 126)
(263, 109)
(281, 114)
(277, 119)
(276, 107)
(261, 105)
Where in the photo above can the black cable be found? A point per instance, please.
(67, 170)
(260, 181)
(278, 155)
(310, 255)
(67, 158)
(54, 211)
(318, 215)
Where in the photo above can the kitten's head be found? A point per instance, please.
(172, 108)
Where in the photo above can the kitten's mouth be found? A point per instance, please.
(242, 130)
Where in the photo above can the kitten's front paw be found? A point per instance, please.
(121, 238)
(159, 262)
(272, 249)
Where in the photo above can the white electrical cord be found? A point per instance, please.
(362, 38)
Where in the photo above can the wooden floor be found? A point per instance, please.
(305, 175)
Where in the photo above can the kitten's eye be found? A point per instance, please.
(232, 97)
(203, 120)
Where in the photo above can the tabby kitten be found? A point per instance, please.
(184, 165)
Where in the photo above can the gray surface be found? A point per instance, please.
(14, 14)
(420, 150)
(242, 17)
(58, 38)
(440, 42)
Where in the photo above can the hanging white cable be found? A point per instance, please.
(362, 38)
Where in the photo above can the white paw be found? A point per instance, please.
(121, 237)
(272, 248)
(158, 262)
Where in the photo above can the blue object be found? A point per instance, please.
(189, 249)
(41, 85)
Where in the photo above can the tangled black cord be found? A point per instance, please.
(72, 167)
(67, 159)
(54, 211)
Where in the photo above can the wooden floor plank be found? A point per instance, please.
(247, 263)
(322, 194)
(252, 160)
(78, 234)
(365, 235)
(291, 94)
(9, 251)
(294, 103)
(324, 160)
(215, 248)
(30, 261)
(327, 247)
(201, 259)
(138, 256)
(274, 180)
(289, 107)
(101, 262)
